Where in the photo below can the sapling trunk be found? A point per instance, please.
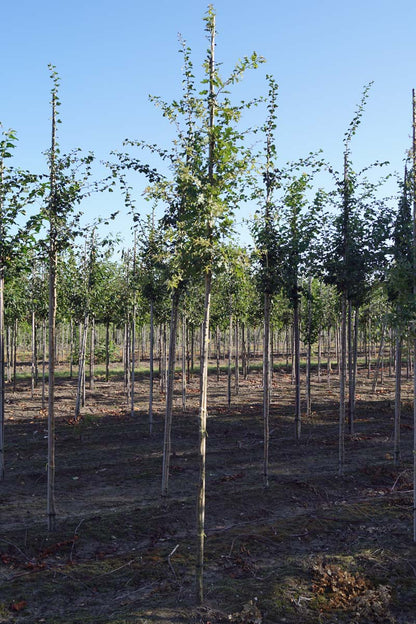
(169, 392)
(266, 388)
(397, 398)
(202, 444)
(237, 363)
(230, 355)
(2, 376)
(133, 360)
(43, 360)
(218, 351)
(309, 351)
(14, 355)
(342, 384)
(328, 364)
(92, 355)
(183, 354)
(151, 367)
(298, 418)
(379, 358)
(81, 369)
(33, 359)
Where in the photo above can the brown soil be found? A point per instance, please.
(312, 548)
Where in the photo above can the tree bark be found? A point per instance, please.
(151, 367)
(169, 393)
(2, 375)
(342, 384)
(298, 417)
(266, 388)
(397, 398)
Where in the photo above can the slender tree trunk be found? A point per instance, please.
(230, 356)
(218, 351)
(81, 369)
(43, 361)
(71, 347)
(92, 355)
(51, 388)
(342, 384)
(243, 351)
(380, 357)
(2, 375)
(33, 349)
(414, 293)
(266, 388)
(202, 444)
(298, 418)
(328, 364)
(9, 352)
(169, 392)
(237, 362)
(133, 360)
(309, 352)
(107, 350)
(397, 399)
(192, 350)
(319, 354)
(151, 367)
(14, 355)
(353, 383)
(184, 334)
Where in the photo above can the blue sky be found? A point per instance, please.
(110, 56)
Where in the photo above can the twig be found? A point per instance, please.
(169, 562)
(14, 546)
(398, 477)
(73, 539)
(117, 569)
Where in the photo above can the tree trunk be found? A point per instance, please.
(183, 362)
(309, 352)
(151, 367)
(328, 364)
(107, 350)
(202, 443)
(230, 356)
(236, 362)
(342, 384)
(380, 357)
(2, 375)
(71, 347)
(169, 393)
(14, 355)
(33, 358)
(43, 360)
(133, 360)
(397, 398)
(298, 417)
(92, 355)
(266, 388)
(218, 352)
(81, 369)
(243, 351)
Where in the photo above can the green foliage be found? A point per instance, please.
(400, 279)
(358, 238)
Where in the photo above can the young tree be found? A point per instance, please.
(267, 254)
(67, 178)
(355, 253)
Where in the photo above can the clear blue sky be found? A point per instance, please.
(111, 55)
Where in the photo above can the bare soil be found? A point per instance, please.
(312, 548)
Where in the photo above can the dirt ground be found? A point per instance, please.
(312, 548)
